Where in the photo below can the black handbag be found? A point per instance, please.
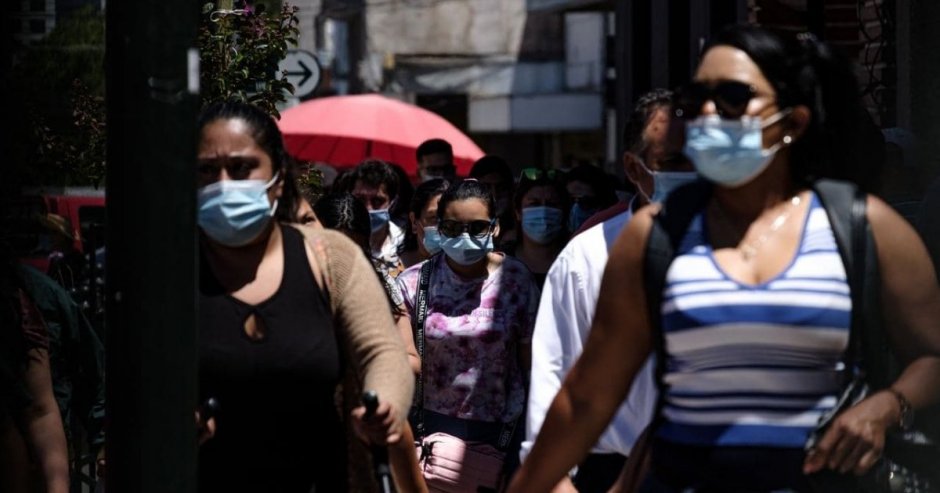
(911, 459)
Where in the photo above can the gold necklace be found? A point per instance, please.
(750, 249)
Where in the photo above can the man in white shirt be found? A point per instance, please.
(570, 294)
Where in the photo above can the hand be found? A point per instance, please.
(101, 463)
(206, 428)
(382, 428)
(856, 439)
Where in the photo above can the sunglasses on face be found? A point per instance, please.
(533, 174)
(453, 229)
(731, 99)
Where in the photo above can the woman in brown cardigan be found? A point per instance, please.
(283, 310)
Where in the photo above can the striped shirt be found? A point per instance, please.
(753, 365)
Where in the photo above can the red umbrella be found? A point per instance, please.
(343, 130)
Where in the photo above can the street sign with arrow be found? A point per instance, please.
(302, 70)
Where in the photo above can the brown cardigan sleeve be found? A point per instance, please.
(364, 319)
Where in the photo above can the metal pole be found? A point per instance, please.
(152, 88)
(623, 48)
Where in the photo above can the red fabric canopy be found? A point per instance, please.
(343, 130)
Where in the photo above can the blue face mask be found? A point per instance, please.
(379, 219)
(467, 250)
(432, 240)
(664, 182)
(235, 212)
(729, 152)
(577, 217)
(542, 224)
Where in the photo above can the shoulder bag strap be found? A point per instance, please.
(846, 209)
(421, 314)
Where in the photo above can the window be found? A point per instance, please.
(37, 5)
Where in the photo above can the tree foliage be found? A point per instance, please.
(59, 88)
(239, 54)
(59, 85)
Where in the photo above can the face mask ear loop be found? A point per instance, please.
(776, 117)
(773, 120)
(267, 186)
(652, 175)
(274, 179)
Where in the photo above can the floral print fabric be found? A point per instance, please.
(473, 331)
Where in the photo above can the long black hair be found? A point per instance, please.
(841, 140)
(268, 137)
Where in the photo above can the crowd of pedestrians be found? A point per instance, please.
(700, 328)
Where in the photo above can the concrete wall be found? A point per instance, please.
(471, 27)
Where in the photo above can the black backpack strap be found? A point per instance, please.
(846, 208)
(668, 230)
(841, 201)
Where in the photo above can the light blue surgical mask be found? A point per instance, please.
(235, 212)
(730, 152)
(432, 240)
(542, 224)
(577, 217)
(378, 219)
(664, 182)
(466, 249)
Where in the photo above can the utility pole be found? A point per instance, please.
(152, 99)
(623, 63)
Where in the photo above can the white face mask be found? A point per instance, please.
(730, 152)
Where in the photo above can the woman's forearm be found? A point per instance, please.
(574, 421)
(404, 331)
(48, 443)
(43, 424)
(920, 382)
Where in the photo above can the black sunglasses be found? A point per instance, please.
(730, 97)
(453, 229)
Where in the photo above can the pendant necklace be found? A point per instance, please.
(750, 249)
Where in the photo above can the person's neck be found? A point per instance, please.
(748, 202)
(236, 266)
(472, 271)
(538, 258)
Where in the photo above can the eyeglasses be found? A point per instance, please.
(731, 99)
(537, 173)
(453, 229)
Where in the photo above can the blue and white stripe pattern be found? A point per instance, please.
(754, 365)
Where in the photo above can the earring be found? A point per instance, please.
(787, 139)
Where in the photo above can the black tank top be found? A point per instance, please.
(276, 394)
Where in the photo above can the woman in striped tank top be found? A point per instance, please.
(756, 307)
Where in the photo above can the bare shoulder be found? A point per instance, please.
(889, 228)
